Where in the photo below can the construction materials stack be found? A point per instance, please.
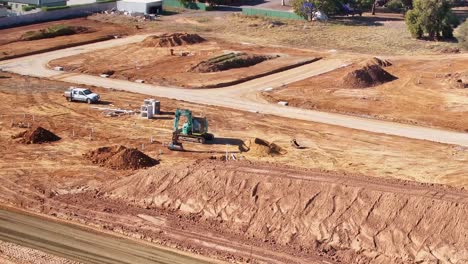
(146, 111)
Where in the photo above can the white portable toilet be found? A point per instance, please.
(156, 105)
(146, 111)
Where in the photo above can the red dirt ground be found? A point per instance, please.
(156, 64)
(428, 92)
(254, 209)
(12, 46)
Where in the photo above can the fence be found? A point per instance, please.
(270, 13)
(72, 12)
(189, 5)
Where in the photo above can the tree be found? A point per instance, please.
(326, 6)
(433, 18)
(462, 35)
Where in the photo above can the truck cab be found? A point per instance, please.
(81, 94)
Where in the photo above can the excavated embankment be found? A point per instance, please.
(354, 219)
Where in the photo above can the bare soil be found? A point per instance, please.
(120, 157)
(174, 65)
(358, 221)
(229, 61)
(12, 42)
(172, 40)
(36, 135)
(428, 92)
(298, 206)
(368, 75)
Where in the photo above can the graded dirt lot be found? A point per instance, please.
(427, 91)
(12, 45)
(189, 64)
(243, 210)
(267, 189)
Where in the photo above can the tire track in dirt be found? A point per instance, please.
(351, 218)
(401, 187)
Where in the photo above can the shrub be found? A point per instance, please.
(52, 31)
(51, 8)
(395, 5)
(433, 18)
(462, 35)
(27, 8)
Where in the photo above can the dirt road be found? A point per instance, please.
(235, 97)
(82, 245)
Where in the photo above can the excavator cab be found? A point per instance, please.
(194, 129)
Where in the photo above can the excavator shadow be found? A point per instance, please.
(221, 141)
(225, 141)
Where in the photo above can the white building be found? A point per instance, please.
(3, 11)
(140, 6)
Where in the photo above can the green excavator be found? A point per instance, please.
(195, 129)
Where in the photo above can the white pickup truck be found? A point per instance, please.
(81, 94)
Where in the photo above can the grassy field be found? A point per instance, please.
(382, 34)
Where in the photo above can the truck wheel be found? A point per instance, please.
(88, 101)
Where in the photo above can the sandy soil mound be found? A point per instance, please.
(36, 135)
(120, 158)
(54, 31)
(366, 220)
(368, 75)
(172, 40)
(229, 61)
(380, 62)
(261, 148)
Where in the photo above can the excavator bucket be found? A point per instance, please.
(175, 147)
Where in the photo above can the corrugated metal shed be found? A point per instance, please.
(140, 6)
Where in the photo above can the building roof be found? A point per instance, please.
(142, 1)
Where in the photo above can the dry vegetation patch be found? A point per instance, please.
(230, 61)
(54, 31)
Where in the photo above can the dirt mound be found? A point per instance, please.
(172, 40)
(120, 158)
(380, 62)
(229, 61)
(459, 80)
(365, 220)
(261, 148)
(36, 135)
(368, 75)
(54, 31)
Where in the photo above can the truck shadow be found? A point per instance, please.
(103, 103)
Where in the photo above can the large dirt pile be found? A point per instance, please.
(54, 31)
(172, 40)
(229, 61)
(368, 74)
(120, 158)
(36, 135)
(261, 148)
(363, 220)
